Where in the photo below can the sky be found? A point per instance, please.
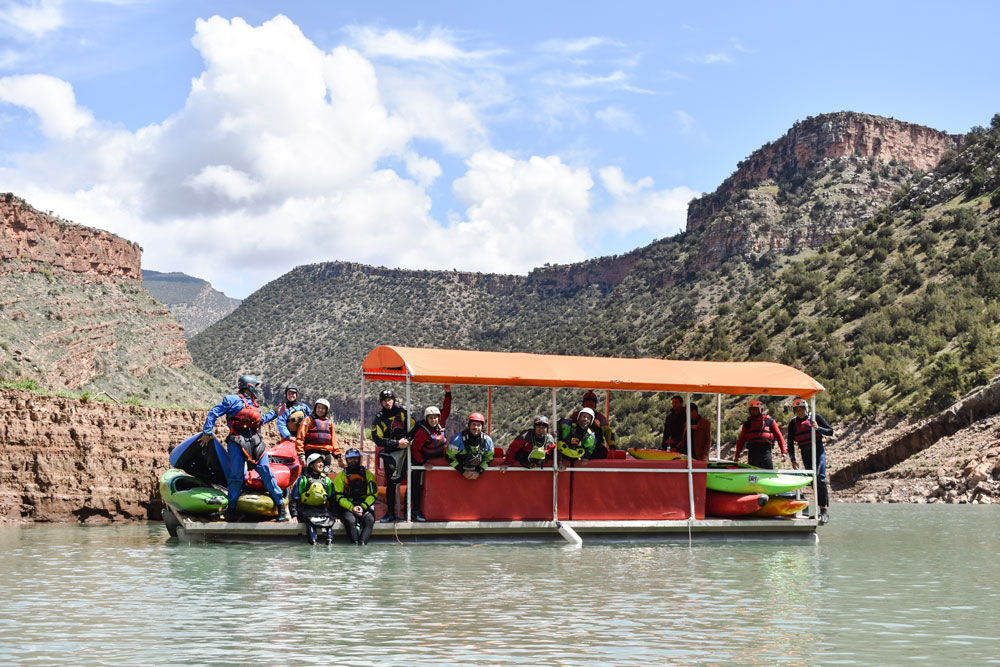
(236, 140)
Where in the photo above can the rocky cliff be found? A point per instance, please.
(193, 301)
(848, 163)
(28, 234)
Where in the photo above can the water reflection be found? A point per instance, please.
(884, 584)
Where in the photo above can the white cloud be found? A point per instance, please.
(35, 17)
(686, 121)
(281, 156)
(51, 99)
(574, 46)
(710, 58)
(439, 45)
(638, 206)
(618, 119)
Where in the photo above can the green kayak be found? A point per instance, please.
(754, 480)
(184, 493)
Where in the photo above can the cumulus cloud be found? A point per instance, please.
(284, 154)
(34, 18)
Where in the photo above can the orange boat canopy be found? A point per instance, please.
(427, 365)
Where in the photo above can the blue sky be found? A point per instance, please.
(236, 140)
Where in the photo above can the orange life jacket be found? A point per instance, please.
(759, 431)
(247, 419)
(319, 435)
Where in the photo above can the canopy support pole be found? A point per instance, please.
(555, 462)
(362, 437)
(409, 456)
(815, 463)
(718, 426)
(489, 410)
(690, 472)
(607, 405)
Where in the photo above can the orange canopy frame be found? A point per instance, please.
(519, 369)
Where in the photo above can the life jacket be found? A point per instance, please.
(802, 431)
(391, 424)
(296, 414)
(357, 486)
(758, 431)
(319, 435)
(434, 446)
(315, 491)
(572, 443)
(472, 454)
(247, 419)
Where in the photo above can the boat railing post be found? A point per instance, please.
(815, 463)
(489, 409)
(718, 426)
(409, 455)
(362, 435)
(555, 462)
(690, 467)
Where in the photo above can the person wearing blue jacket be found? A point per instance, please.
(244, 442)
(295, 412)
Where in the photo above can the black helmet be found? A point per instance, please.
(249, 384)
(291, 387)
(386, 393)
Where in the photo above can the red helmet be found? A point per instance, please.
(590, 396)
(757, 404)
(477, 417)
(799, 403)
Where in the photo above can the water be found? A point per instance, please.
(886, 584)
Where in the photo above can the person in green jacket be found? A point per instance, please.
(579, 440)
(356, 492)
(312, 500)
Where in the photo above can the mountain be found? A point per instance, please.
(75, 316)
(193, 301)
(829, 249)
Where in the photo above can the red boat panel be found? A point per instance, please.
(608, 496)
(284, 465)
(720, 503)
(515, 496)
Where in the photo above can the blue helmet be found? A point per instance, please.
(250, 385)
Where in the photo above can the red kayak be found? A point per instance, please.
(284, 465)
(720, 503)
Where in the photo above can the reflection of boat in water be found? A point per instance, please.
(613, 498)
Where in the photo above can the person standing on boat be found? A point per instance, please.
(674, 425)
(580, 440)
(800, 431)
(759, 433)
(600, 419)
(532, 448)
(701, 437)
(471, 451)
(389, 429)
(428, 441)
(244, 442)
(295, 412)
(316, 436)
(356, 492)
(312, 499)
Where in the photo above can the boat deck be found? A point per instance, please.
(193, 530)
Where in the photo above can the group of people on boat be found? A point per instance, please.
(350, 495)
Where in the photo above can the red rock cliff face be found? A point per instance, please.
(28, 234)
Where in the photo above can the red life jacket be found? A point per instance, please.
(758, 431)
(434, 446)
(247, 419)
(319, 435)
(801, 431)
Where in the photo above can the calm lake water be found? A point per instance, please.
(885, 584)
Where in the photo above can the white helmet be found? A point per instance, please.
(323, 402)
(312, 459)
(431, 410)
(587, 411)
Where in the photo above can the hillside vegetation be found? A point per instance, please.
(193, 301)
(886, 294)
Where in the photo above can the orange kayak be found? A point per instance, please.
(778, 506)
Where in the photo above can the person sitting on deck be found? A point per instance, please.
(701, 437)
(316, 436)
(312, 499)
(471, 451)
(800, 431)
(428, 441)
(244, 442)
(759, 433)
(389, 429)
(600, 419)
(356, 493)
(532, 448)
(673, 425)
(580, 440)
(295, 412)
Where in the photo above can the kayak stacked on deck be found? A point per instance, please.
(197, 482)
(746, 491)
